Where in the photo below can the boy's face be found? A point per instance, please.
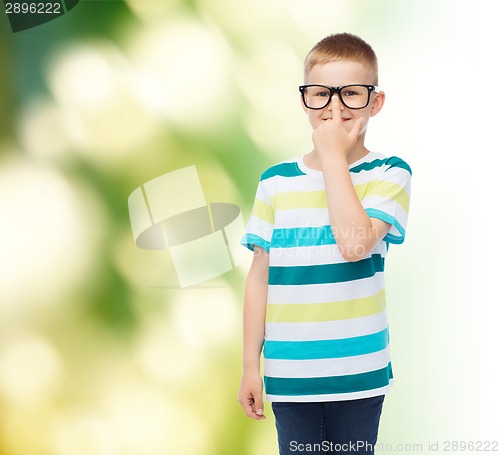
(336, 74)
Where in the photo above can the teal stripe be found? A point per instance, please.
(326, 273)
(283, 170)
(389, 238)
(393, 161)
(329, 385)
(326, 349)
(249, 240)
(302, 236)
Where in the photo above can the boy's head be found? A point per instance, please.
(342, 46)
(343, 66)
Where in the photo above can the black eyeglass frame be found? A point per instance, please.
(338, 91)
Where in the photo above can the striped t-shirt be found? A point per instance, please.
(326, 333)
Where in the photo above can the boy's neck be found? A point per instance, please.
(312, 160)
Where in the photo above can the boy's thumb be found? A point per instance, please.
(259, 407)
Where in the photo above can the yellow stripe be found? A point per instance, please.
(263, 211)
(330, 311)
(300, 200)
(317, 199)
(384, 189)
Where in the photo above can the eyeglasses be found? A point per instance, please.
(354, 96)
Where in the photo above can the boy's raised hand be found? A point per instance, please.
(250, 396)
(331, 138)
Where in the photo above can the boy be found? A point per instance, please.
(314, 299)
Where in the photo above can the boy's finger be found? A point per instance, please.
(259, 408)
(247, 405)
(254, 414)
(357, 127)
(249, 409)
(335, 103)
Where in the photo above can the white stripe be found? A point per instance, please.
(305, 183)
(379, 248)
(327, 367)
(292, 218)
(328, 292)
(306, 255)
(326, 330)
(331, 397)
(364, 177)
(301, 183)
(262, 195)
(315, 255)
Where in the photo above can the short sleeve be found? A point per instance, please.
(388, 198)
(260, 225)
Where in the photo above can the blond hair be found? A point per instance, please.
(341, 46)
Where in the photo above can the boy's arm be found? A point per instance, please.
(254, 314)
(355, 232)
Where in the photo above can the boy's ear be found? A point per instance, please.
(378, 103)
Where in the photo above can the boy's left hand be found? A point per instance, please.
(331, 139)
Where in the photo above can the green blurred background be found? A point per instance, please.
(101, 351)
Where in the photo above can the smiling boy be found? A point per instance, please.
(315, 293)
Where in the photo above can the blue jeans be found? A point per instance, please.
(331, 427)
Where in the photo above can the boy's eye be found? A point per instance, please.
(323, 94)
(350, 93)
